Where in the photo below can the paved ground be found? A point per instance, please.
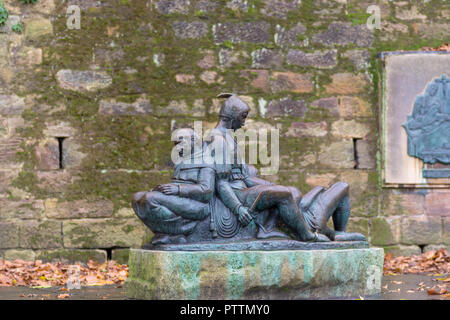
(394, 288)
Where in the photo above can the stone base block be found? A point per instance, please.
(279, 274)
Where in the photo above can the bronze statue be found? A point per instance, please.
(173, 210)
(213, 199)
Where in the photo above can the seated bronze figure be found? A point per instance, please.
(214, 200)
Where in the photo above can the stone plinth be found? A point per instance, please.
(276, 274)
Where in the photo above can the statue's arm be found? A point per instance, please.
(203, 190)
(227, 195)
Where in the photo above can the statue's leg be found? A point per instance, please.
(342, 214)
(279, 197)
(168, 214)
(335, 203)
(173, 206)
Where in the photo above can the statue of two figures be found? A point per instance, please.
(211, 198)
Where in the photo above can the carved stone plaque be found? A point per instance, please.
(416, 119)
(428, 127)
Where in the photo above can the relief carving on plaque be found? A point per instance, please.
(428, 128)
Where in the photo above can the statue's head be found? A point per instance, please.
(432, 89)
(419, 107)
(186, 140)
(233, 109)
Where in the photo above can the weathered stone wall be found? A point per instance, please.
(86, 115)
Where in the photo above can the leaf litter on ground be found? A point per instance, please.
(37, 274)
(435, 263)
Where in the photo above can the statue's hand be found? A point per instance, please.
(244, 216)
(169, 189)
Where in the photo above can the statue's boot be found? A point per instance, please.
(349, 236)
(160, 238)
(178, 239)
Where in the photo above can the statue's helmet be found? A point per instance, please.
(232, 107)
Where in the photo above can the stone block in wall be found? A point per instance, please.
(36, 28)
(47, 154)
(228, 57)
(113, 107)
(27, 57)
(18, 254)
(184, 78)
(437, 203)
(323, 179)
(421, 230)
(266, 59)
(45, 7)
(72, 157)
(346, 83)
(7, 27)
(103, 233)
(125, 213)
(210, 77)
(344, 33)
(6, 178)
(83, 81)
(432, 30)
(405, 12)
(307, 129)
(254, 32)
(329, 104)
(61, 129)
(9, 235)
(366, 151)
(4, 52)
(404, 203)
(8, 150)
(385, 231)
(190, 30)
(172, 6)
(318, 59)
(363, 192)
(55, 181)
(286, 107)
(401, 250)
(44, 234)
(446, 235)
(350, 129)
(21, 208)
(260, 78)
(237, 5)
(390, 31)
(120, 255)
(289, 37)
(338, 155)
(78, 209)
(181, 107)
(72, 255)
(206, 6)
(208, 61)
(359, 58)
(360, 225)
(290, 81)
(11, 104)
(434, 247)
(279, 8)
